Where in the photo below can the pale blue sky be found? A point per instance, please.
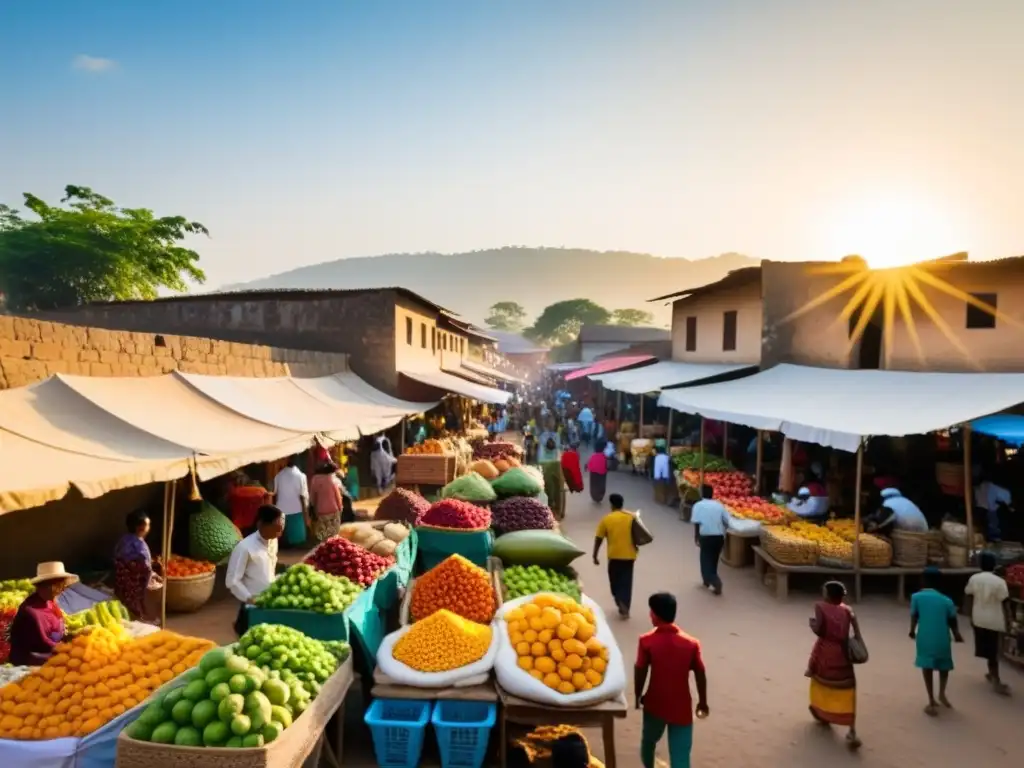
(303, 132)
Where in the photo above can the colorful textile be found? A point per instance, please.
(131, 547)
(131, 582)
(837, 706)
(325, 526)
(324, 495)
(37, 628)
(829, 662)
(571, 471)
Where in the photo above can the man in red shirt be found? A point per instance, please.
(670, 655)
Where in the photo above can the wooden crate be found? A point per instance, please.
(425, 469)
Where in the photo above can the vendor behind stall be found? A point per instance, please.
(811, 501)
(39, 624)
(134, 577)
(897, 513)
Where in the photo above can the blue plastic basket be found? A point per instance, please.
(398, 727)
(462, 729)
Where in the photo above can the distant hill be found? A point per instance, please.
(469, 283)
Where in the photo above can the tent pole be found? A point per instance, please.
(702, 456)
(856, 523)
(760, 455)
(640, 427)
(164, 557)
(618, 408)
(969, 492)
(668, 434)
(401, 446)
(725, 440)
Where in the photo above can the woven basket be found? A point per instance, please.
(875, 552)
(834, 562)
(190, 593)
(956, 556)
(788, 550)
(910, 549)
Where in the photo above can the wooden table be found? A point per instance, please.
(764, 562)
(739, 550)
(522, 712)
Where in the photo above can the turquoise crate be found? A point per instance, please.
(398, 727)
(435, 546)
(463, 729)
(319, 626)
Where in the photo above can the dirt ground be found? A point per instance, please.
(756, 650)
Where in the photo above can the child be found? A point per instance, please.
(932, 620)
(990, 616)
(669, 654)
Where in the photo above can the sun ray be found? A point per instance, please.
(867, 312)
(836, 290)
(856, 300)
(922, 301)
(907, 312)
(839, 268)
(889, 314)
(951, 290)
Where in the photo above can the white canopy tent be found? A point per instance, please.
(667, 373)
(459, 386)
(839, 408)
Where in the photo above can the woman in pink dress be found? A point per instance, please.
(833, 682)
(597, 467)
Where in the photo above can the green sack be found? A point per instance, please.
(211, 535)
(519, 481)
(471, 487)
(547, 549)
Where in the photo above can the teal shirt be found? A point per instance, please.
(934, 642)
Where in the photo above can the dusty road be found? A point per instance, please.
(756, 651)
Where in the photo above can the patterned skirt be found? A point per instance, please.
(326, 526)
(131, 580)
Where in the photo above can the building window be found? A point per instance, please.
(444, 341)
(433, 339)
(978, 317)
(462, 346)
(423, 335)
(691, 334)
(729, 331)
(408, 331)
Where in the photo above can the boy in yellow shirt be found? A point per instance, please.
(617, 527)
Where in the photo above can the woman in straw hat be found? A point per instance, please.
(39, 623)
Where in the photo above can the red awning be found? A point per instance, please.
(609, 365)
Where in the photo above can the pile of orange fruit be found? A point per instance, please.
(92, 679)
(455, 585)
(179, 567)
(554, 638)
(442, 642)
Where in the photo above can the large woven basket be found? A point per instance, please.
(956, 556)
(189, 593)
(788, 550)
(875, 552)
(910, 549)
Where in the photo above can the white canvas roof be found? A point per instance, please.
(486, 370)
(349, 389)
(666, 373)
(839, 407)
(459, 386)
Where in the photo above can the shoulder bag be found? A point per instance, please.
(641, 536)
(856, 649)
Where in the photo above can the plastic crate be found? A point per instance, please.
(398, 727)
(463, 729)
(318, 626)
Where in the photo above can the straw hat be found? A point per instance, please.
(53, 571)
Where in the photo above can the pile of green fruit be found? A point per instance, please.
(244, 696)
(105, 614)
(13, 593)
(523, 580)
(302, 587)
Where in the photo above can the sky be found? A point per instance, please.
(306, 132)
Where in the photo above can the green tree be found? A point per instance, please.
(632, 317)
(89, 249)
(506, 316)
(561, 322)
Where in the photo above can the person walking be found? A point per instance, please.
(291, 496)
(325, 501)
(597, 468)
(833, 682)
(253, 562)
(617, 527)
(990, 617)
(932, 621)
(667, 655)
(710, 521)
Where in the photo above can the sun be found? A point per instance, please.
(893, 230)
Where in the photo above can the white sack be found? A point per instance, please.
(461, 677)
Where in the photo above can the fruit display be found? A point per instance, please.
(428, 448)
(521, 513)
(519, 481)
(725, 484)
(691, 460)
(521, 580)
(504, 463)
(456, 514)
(456, 585)
(339, 557)
(496, 450)
(829, 544)
(403, 506)
(754, 508)
(441, 642)
(110, 614)
(303, 587)
(245, 696)
(484, 468)
(92, 679)
(211, 535)
(179, 567)
(6, 619)
(545, 548)
(470, 487)
(13, 593)
(381, 540)
(554, 640)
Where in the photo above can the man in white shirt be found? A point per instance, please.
(253, 562)
(897, 513)
(990, 615)
(663, 486)
(710, 521)
(291, 495)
